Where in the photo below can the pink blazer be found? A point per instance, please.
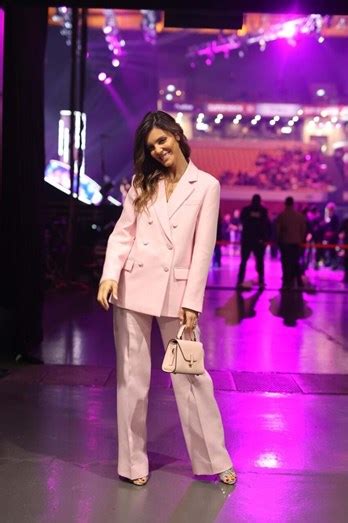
(161, 257)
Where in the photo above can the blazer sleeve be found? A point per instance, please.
(204, 243)
(120, 240)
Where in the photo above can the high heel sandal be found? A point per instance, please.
(140, 482)
(229, 477)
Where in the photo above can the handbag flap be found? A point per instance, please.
(190, 350)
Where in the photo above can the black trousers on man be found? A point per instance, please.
(258, 248)
(291, 267)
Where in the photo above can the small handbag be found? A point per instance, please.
(184, 356)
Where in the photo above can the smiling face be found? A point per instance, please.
(164, 147)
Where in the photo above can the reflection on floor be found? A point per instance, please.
(279, 362)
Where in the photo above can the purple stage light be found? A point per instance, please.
(115, 62)
(169, 97)
(208, 61)
(321, 92)
(289, 30)
(107, 80)
(107, 29)
(116, 51)
(122, 43)
(101, 77)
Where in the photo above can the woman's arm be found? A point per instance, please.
(204, 243)
(120, 240)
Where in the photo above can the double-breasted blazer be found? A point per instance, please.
(161, 257)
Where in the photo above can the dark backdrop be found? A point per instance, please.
(21, 274)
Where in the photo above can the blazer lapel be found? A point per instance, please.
(183, 190)
(161, 210)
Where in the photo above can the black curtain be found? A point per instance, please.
(21, 190)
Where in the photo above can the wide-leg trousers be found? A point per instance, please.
(198, 411)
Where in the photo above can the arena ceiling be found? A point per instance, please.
(253, 23)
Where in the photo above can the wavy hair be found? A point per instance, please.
(146, 169)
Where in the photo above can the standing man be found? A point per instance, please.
(291, 233)
(256, 229)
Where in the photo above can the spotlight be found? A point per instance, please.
(171, 88)
(107, 80)
(208, 61)
(122, 43)
(295, 118)
(179, 117)
(115, 62)
(101, 77)
(262, 45)
(300, 112)
(169, 97)
(107, 29)
(321, 39)
(178, 92)
(276, 118)
(321, 92)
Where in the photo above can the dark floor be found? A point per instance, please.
(280, 368)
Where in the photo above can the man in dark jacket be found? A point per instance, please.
(256, 230)
(291, 233)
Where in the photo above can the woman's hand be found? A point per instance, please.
(188, 318)
(106, 288)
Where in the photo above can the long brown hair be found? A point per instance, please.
(147, 170)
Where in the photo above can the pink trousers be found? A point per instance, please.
(198, 410)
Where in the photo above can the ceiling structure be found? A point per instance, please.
(254, 23)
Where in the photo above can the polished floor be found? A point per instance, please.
(279, 363)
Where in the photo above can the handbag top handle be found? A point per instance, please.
(181, 332)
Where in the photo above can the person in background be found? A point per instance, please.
(225, 231)
(235, 231)
(256, 232)
(219, 238)
(330, 235)
(313, 236)
(343, 234)
(291, 233)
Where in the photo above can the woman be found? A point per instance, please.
(156, 264)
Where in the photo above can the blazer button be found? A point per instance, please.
(170, 247)
(166, 269)
(175, 225)
(140, 264)
(150, 222)
(146, 243)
